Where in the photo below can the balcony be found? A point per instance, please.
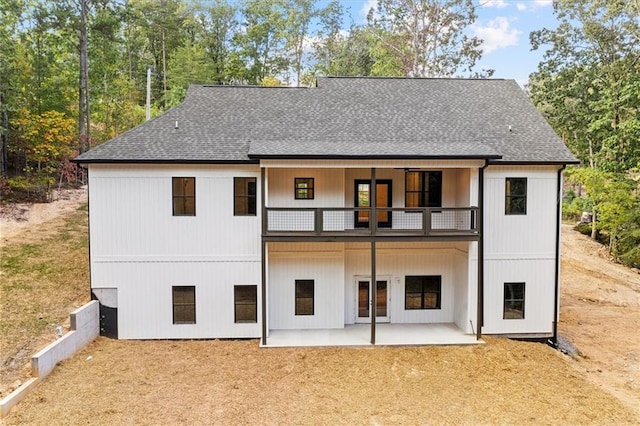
(356, 223)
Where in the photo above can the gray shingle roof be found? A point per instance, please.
(344, 117)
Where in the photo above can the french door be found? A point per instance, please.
(363, 199)
(365, 300)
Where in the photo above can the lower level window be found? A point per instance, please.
(304, 297)
(422, 292)
(245, 300)
(184, 304)
(513, 301)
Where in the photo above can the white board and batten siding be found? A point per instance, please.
(394, 264)
(336, 268)
(139, 248)
(325, 268)
(520, 248)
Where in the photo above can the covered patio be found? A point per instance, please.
(360, 335)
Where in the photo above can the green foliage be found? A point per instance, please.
(614, 201)
(588, 84)
(588, 88)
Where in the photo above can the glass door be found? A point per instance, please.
(365, 301)
(363, 199)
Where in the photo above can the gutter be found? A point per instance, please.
(480, 296)
(556, 299)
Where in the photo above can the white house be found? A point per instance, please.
(247, 211)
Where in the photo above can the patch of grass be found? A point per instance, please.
(44, 275)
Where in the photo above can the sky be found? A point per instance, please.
(504, 25)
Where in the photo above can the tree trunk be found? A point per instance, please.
(83, 96)
(593, 225)
(164, 70)
(4, 123)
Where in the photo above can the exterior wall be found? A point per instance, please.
(335, 268)
(455, 185)
(329, 187)
(394, 261)
(520, 248)
(142, 250)
(325, 268)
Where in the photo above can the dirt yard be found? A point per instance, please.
(235, 382)
(600, 315)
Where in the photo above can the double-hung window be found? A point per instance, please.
(515, 196)
(184, 304)
(184, 196)
(245, 302)
(513, 301)
(304, 188)
(244, 196)
(304, 297)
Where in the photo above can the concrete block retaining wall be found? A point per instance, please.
(85, 327)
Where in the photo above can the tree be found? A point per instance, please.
(10, 13)
(593, 59)
(45, 140)
(299, 16)
(262, 44)
(427, 36)
(214, 26)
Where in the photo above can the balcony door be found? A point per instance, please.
(365, 300)
(363, 199)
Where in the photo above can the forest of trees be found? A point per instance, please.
(73, 74)
(588, 88)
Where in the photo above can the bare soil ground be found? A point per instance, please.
(600, 315)
(18, 217)
(235, 382)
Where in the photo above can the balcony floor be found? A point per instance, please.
(386, 335)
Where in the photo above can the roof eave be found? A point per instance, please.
(532, 163)
(152, 161)
(374, 157)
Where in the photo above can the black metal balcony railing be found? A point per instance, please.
(358, 221)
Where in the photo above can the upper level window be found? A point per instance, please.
(184, 196)
(304, 297)
(304, 188)
(515, 196)
(423, 189)
(422, 292)
(244, 196)
(513, 301)
(184, 304)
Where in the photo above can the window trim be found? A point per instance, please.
(508, 196)
(236, 304)
(313, 296)
(174, 305)
(424, 190)
(184, 197)
(249, 199)
(311, 189)
(423, 292)
(512, 300)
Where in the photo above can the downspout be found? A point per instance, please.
(480, 307)
(556, 299)
(89, 237)
(263, 257)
